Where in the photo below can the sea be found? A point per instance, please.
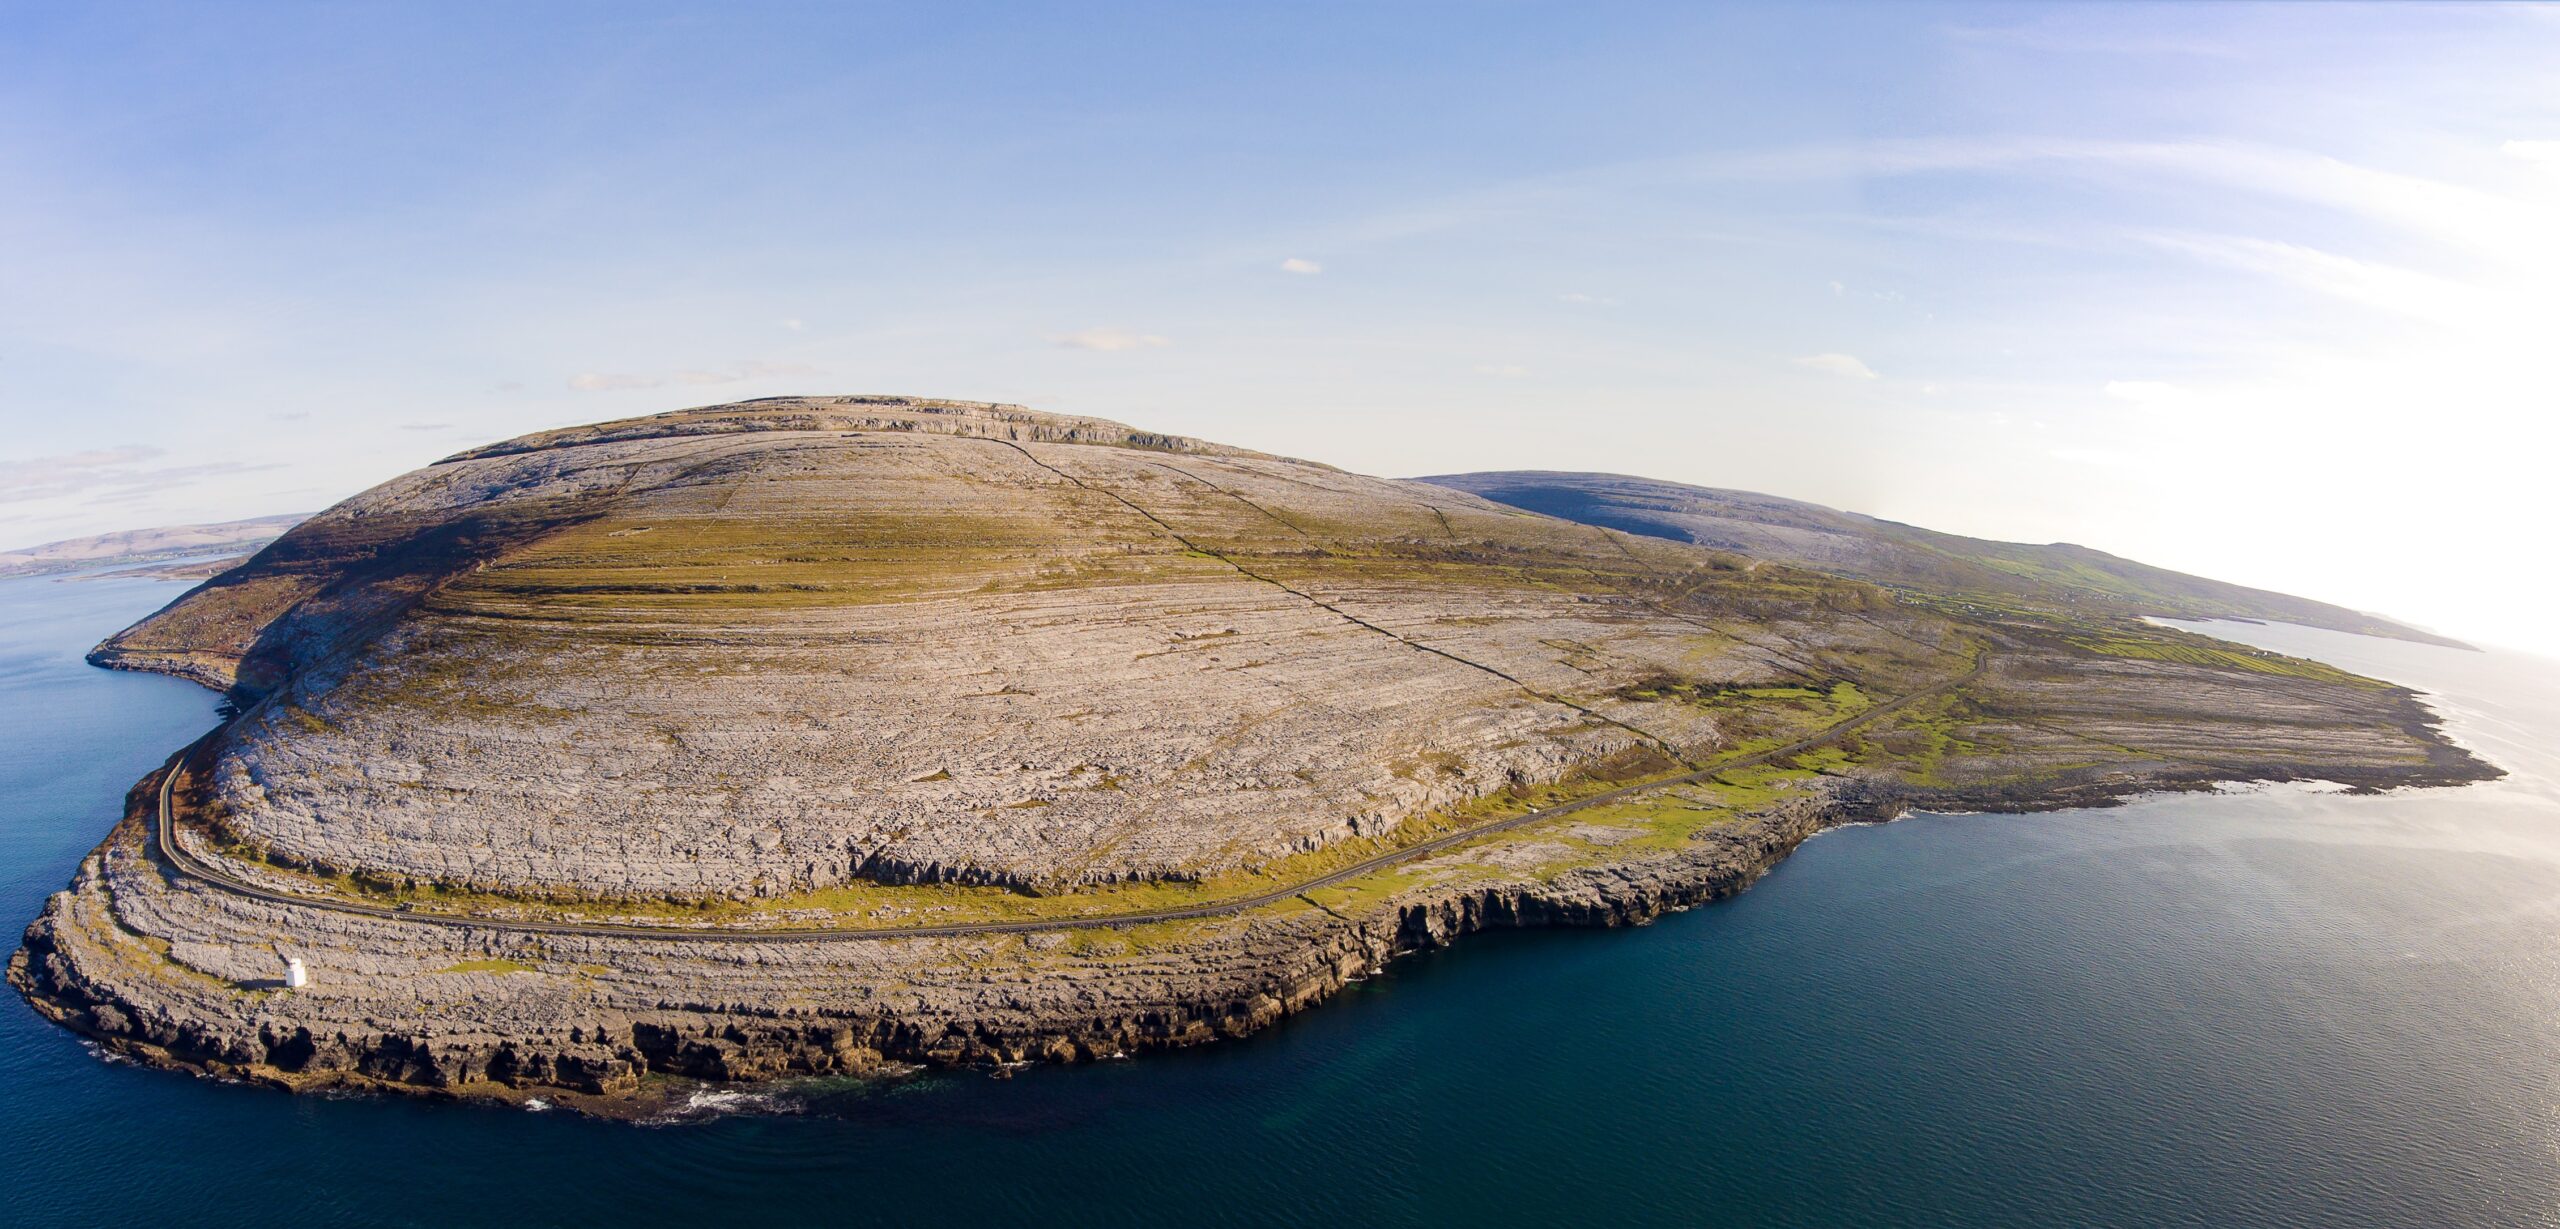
(2262, 1007)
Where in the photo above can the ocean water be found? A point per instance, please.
(2278, 1007)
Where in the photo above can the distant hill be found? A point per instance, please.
(1905, 557)
(148, 545)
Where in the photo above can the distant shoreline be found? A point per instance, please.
(140, 547)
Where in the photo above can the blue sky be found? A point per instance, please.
(2261, 292)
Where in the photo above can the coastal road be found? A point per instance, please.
(183, 862)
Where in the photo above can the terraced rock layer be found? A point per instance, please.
(877, 663)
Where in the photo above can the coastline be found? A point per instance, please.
(1230, 985)
(1285, 969)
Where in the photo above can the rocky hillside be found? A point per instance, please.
(803, 733)
(764, 650)
(1918, 561)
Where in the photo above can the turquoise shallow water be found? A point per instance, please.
(2268, 1008)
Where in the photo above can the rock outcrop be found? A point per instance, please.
(753, 675)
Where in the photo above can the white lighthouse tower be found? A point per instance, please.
(295, 977)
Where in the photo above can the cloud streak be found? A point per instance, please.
(736, 373)
(2150, 393)
(105, 474)
(1112, 340)
(1836, 364)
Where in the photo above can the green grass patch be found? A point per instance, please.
(489, 966)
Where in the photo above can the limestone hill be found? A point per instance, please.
(770, 648)
(788, 736)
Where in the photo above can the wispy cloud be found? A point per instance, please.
(2049, 37)
(613, 381)
(18, 475)
(2148, 392)
(1579, 299)
(1843, 290)
(1112, 339)
(2450, 213)
(752, 369)
(105, 474)
(1297, 265)
(1837, 364)
(2365, 282)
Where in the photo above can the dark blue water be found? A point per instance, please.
(2277, 1008)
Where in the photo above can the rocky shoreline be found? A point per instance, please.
(1280, 970)
(618, 1065)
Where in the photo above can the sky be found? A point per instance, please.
(2270, 294)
